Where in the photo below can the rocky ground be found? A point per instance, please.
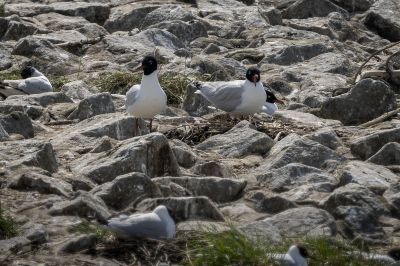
(317, 169)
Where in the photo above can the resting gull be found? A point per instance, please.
(33, 82)
(296, 256)
(157, 224)
(392, 257)
(147, 99)
(244, 97)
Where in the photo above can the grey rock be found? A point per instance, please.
(195, 104)
(272, 15)
(383, 18)
(168, 13)
(29, 153)
(213, 168)
(49, 98)
(18, 123)
(14, 28)
(77, 90)
(126, 189)
(217, 189)
(21, 103)
(389, 154)
(296, 149)
(250, 55)
(185, 31)
(291, 176)
(311, 8)
(149, 154)
(14, 244)
(183, 153)
(93, 12)
(357, 5)
(5, 62)
(366, 146)
(261, 231)
(27, 9)
(240, 141)
(3, 134)
(159, 37)
(211, 49)
(296, 53)
(79, 243)
(42, 183)
(93, 105)
(185, 208)
(358, 196)
(173, 190)
(354, 107)
(269, 202)
(61, 36)
(374, 177)
(392, 195)
(84, 205)
(37, 234)
(302, 221)
(310, 194)
(327, 137)
(301, 119)
(105, 144)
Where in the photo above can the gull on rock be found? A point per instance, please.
(147, 99)
(392, 258)
(243, 97)
(157, 224)
(296, 256)
(32, 82)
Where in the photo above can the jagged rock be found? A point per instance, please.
(357, 5)
(291, 176)
(93, 105)
(211, 49)
(327, 137)
(84, 205)
(3, 134)
(79, 243)
(389, 154)
(367, 146)
(296, 53)
(42, 183)
(149, 154)
(310, 194)
(27, 9)
(242, 213)
(14, 28)
(93, 12)
(127, 17)
(183, 153)
(185, 208)
(173, 190)
(269, 202)
(392, 195)
(14, 244)
(272, 15)
(213, 168)
(62, 36)
(159, 37)
(311, 8)
(37, 234)
(211, 66)
(167, 13)
(126, 189)
(217, 189)
(374, 177)
(384, 18)
(261, 230)
(49, 98)
(185, 31)
(302, 221)
(355, 107)
(29, 153)
(105, 144)
(5, 62)
(21, 103)
(296, 149)
(301, 119)
(18, 123)
(240, 141)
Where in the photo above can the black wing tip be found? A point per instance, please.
(197, 84)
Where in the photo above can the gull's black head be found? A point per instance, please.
(253, 74)
(394, 253)
(27, 72)
(303, 252)
(149, 65)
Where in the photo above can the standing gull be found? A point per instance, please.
(33, 82)
(244, 97)
(296, 256)
(157, 224)
(147, 99)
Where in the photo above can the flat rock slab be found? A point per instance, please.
(185, 208)
(261, 231)
(240, 141)
(17, 122)
(301, 119)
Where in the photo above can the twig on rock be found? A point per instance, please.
(381, 118)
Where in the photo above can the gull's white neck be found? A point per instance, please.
(150, 82)
(36, 73)
(294, 253)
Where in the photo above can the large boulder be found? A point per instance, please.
(18, 123)
(185, 31)
(77, 90)
(240, 141)
(327, 137)
(389, 154)
(261, 231)
(392, 195)
(301, 119)
(93, 105)
(149, 154)
(217, 189)
(269, 202)
(296, 149)
(356, 5)
(183, 153)
(384, 18)
(374, 177)
(93, 12)
(185, 208)
(213, 168)
(367, 146)
(14, 28)
(367, 100)
(311, 8)
(127, 189)
(26, 9)
(299, 222)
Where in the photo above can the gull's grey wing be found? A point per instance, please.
(224, 95)
(132, 95)
(35, 85)
(139, 227)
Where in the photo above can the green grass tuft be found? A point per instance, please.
(58, 81)
(117, 82)
(10, 75)
(8, 227)
(85, 227)
(2, 8)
